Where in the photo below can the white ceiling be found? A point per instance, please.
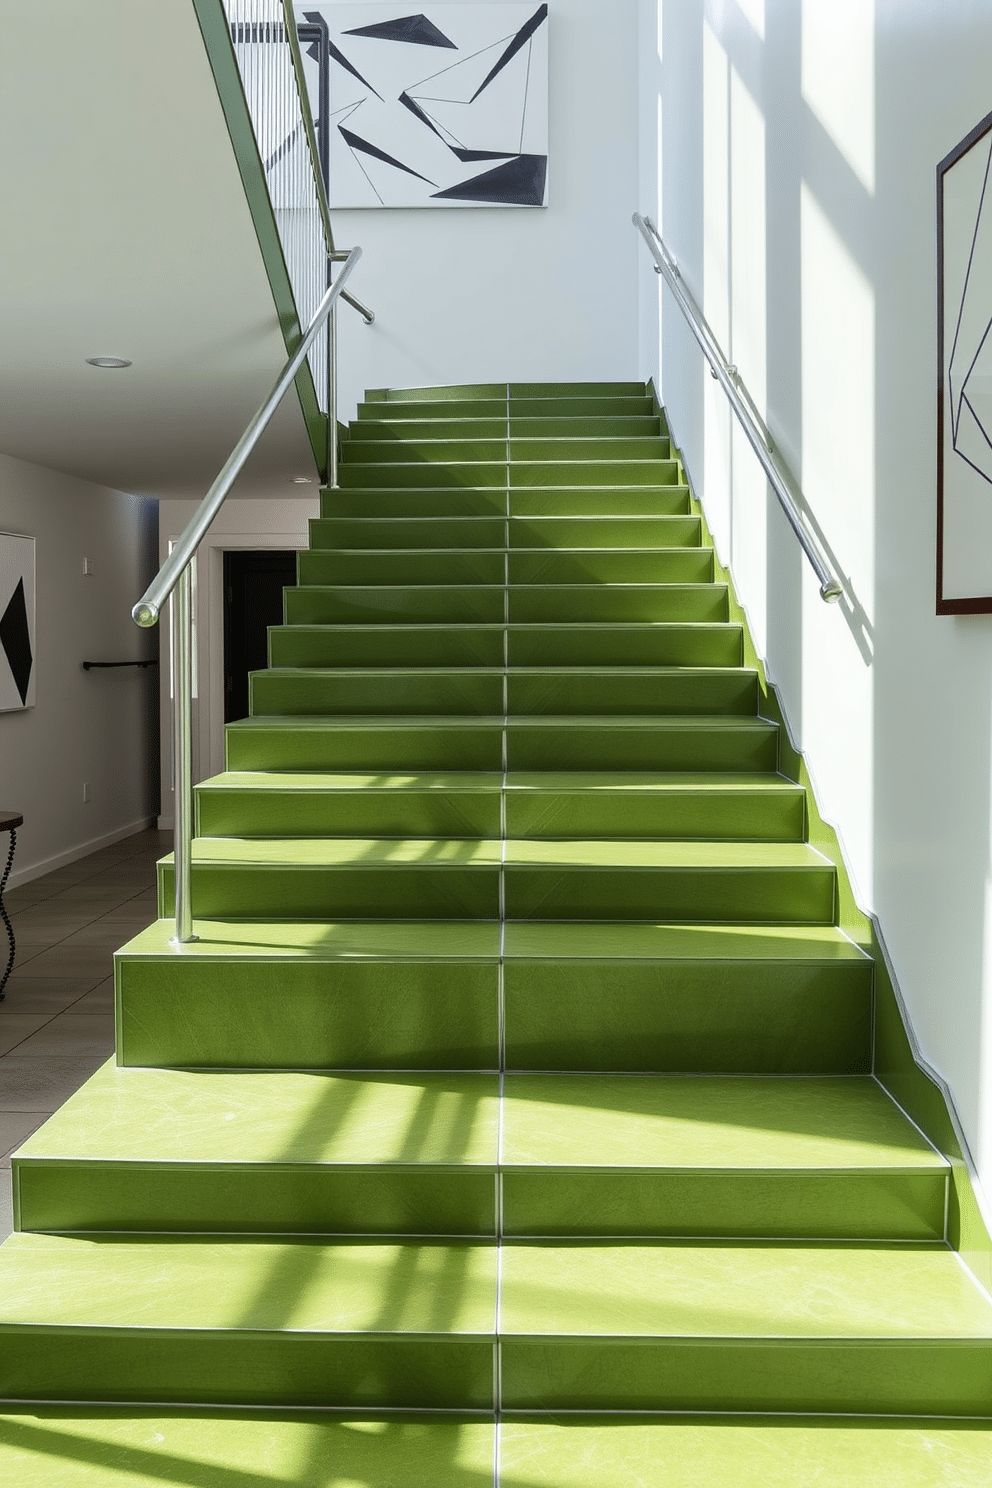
(124, 231)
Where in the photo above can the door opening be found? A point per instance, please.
(254, 580)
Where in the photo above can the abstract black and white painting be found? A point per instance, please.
(17, 646)
(964, 396)
(443, 107)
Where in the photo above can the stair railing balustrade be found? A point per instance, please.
(779, 477)
(267, 50)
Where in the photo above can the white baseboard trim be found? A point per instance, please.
(62, 860)
(166, 823)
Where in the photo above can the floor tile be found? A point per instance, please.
(73, 1033)
(43, 1082)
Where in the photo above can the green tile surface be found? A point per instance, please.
(520, 1062)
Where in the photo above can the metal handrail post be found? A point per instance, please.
(181, 611)
(332, 398)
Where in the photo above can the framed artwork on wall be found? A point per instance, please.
(17, 627)
(964, 382)
(446, 107)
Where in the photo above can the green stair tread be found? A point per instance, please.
(526, 941)
(577, 782)
(619, 1122)
(746, 1451)
(708, 1122)
(94, 1447)
(298, 1286)
(357, 853)
(697, 1290)
(262, 1116)
(671, 722)
(319, 940)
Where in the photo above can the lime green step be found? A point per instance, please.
(249, 1322)
(463, 804)
(549, 471)
(657, 643)
(523, 566)
(493, 406)
(463, 501)
(485, 691)
(558, 533)
(496, 603)
(731, 999)
(579, 1156)
(456, 742)
(661, 1326)
(497, 426)
(430, 446)
(417, 878)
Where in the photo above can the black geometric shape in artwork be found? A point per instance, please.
(15, 638)
(357, 143)
(418, 113)
(467, 157)
(518, 183)
(415, 29)
(520, 40)
(343, 60)
(313, 50)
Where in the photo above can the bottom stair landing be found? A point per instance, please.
(513, 1121)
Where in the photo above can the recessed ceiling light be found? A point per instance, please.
(107, 362)
(301, 480)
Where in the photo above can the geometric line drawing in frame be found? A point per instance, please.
(427, 133)
(18, 651)
(964, 376)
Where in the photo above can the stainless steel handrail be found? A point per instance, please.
(175, 579)
(726, 374)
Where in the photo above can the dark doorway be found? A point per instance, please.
(253, 585)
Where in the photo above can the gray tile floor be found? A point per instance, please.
(57, 1020)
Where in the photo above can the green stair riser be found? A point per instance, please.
(274, 1198)
(468, 890)
(479, 566)
(366, 812)
(430, 448)
(462, 744)
(729, 1018)
(277, 1368)
(549, 472)
(520, 503)
(482, 693)
(628, 405)
(559, 533)
(952, 1377)
(491, 426)
(410, 644)
(492, 604)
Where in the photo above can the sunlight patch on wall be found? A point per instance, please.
(715, 297)
(754, 13)
(838, 482)
(748, 340)
(838, 77)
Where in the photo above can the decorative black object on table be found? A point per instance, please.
(9, 822)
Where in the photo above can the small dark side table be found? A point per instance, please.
(9, 822)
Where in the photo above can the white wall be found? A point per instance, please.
(799, 145)
(254, 523)
(496, 295)
(98, 727)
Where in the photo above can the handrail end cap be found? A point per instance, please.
(831, 591)
(145, 614)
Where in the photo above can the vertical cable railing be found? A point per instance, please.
(261, 36)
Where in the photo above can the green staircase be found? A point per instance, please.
(512, 1120)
